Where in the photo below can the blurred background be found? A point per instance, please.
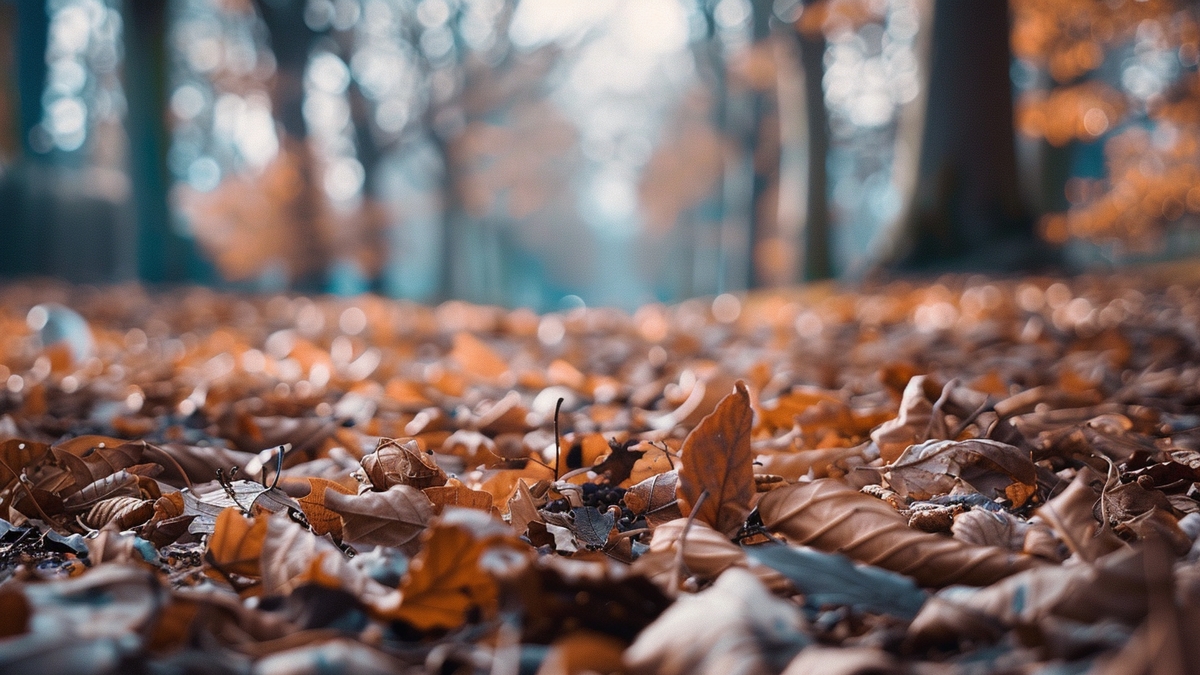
(547, 153)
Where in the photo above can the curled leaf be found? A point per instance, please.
(655, 498)
(830, 516)
(397, 462)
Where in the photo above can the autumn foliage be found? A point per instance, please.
(904, 478)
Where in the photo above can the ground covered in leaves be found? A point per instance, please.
(968, 476)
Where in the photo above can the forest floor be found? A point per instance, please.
(967, 475)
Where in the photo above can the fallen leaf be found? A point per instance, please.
(833, 517)
(394, 517)
(734, 626)
(618, 463)
(236, 544)
(655, 498)
(445, 583)
(321, 518)
(994, 469)
(1070, 513)
(716, 458)
(401, 462)
(454, 493)
(914, 424)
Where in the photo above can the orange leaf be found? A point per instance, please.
(322, 519)
(445, 585)
(455, 493)
(717, 459)
(477, 358)
(236, 543)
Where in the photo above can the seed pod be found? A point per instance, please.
(124, 511)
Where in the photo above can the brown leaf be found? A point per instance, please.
(830, 516)
(292, 557)
(913, 425)
(655, 498)
(717, 459)
(91, 458)
(994, 469)
(618, 464)
(445, 583)
(119, 484)
(17, 454)
(706, 554)
(236, 544)
(401, 462)
(321, 518)
(391, 518)
(454, 493)
(1114, 588)
(523, 508)
(15, 611)
(1070, 514)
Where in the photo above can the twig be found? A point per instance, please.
(681, 568)
(557, 445)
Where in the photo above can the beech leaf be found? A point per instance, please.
(717, 459)
(833, 517)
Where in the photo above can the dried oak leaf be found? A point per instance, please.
(523, 508)
(831, 516)
(236, 544)
(992, 468)
(734, 626)
(321, 518)
(655, 498)
(391, 518)
(446, 582)
(401, 462)
(716, 458)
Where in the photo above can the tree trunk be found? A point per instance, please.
(967, 212)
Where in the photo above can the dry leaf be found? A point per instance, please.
(706, 554)
(1070, 514)
(994, 469)
(391, 518)
(914, 424)
(321, 518)
(236, 544)
(454, 493)
(830, 516)
(717, 459)
(445, 583)
(1113, 588)
(655, 498)
(475, 357)
(401, 462)
(734, 626)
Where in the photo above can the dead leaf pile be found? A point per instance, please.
(965, 476)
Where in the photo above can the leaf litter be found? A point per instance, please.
(965, 476)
